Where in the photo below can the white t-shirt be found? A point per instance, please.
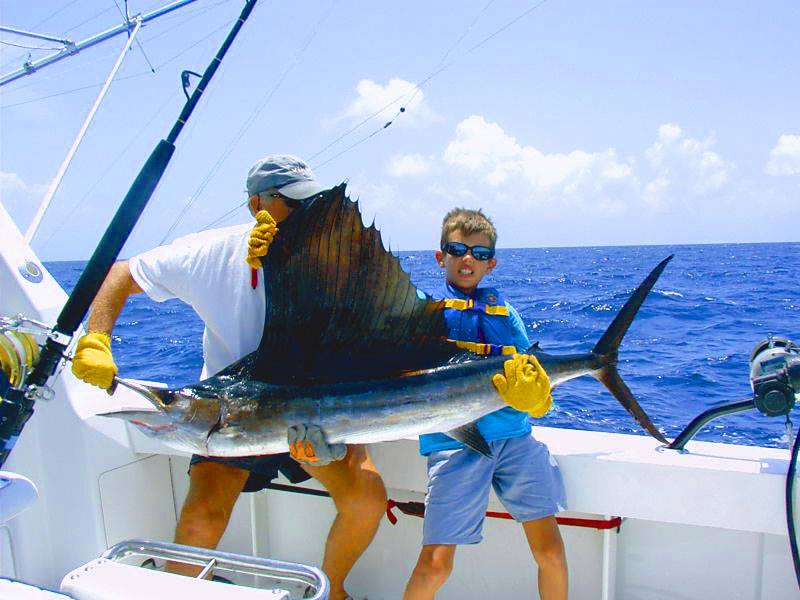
(208, 271)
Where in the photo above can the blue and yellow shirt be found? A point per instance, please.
(479, 321)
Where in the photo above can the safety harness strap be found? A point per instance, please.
(470, 304)
(485, 349)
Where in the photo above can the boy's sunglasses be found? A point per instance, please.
(459, 249)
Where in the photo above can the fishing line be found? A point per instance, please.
(419, 86)
(53, 14)
(399, 98)
(244, 128)
(226, 215)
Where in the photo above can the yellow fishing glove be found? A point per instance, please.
(93, 362)
(260, 238)
(524, 385)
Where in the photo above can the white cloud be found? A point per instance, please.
(20, 198)
(387, 100)
(683, 166)
(409, 164)
(11, 183)
(496, 157)
(784, 159)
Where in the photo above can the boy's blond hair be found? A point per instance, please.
(467, 221)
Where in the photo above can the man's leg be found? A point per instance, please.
(360, 498)
(434, 566)
(213, 490)
(547, 547)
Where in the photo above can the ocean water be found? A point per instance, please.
(687, 349)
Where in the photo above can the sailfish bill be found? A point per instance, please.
(350, 344)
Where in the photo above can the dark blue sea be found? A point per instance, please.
(686, 351)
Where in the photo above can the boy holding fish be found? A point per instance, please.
(521, 470)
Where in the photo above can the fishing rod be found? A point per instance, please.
(20, 388)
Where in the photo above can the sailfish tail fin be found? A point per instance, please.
(608, 346)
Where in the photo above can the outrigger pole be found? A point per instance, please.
(51, 190)
(71, 48)
(17, 405)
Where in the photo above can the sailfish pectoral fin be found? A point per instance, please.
(472, 438)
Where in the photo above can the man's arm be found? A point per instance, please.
(118, 285)
(93, 361)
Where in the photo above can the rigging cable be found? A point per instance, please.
(127, 19)
(126, 77)
(29, 47)
(418, 86)
(97, 15)
(244, 128)
(399, 98)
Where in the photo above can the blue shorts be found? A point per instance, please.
(525, 478)
(263, 469)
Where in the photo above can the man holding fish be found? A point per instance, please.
(217, 273)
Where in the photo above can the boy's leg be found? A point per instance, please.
(458, 494)
(547, 547)
(434, 565)
(358, 492)
(213, 490)
(529, 485)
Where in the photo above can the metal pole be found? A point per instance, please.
(30, 67)
(700, 420)
(38, 36)
(51, 191)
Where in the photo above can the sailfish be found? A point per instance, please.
(352, 346)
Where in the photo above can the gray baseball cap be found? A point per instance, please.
(291, 176)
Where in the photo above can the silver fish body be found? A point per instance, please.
(224, 416)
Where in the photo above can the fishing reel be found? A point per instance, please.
(19, 351)
(775, 380)
(775, 375)
(19, 355)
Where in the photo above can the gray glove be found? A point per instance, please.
(307, 445)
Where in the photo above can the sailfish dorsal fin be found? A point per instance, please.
(339, 306)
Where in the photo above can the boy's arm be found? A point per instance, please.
(521, 340)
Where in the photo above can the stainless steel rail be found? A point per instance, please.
(274, 573)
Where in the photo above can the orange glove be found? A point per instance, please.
(524, 385)
(93, 361)
(260, 238)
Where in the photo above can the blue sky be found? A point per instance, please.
(577, 123)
